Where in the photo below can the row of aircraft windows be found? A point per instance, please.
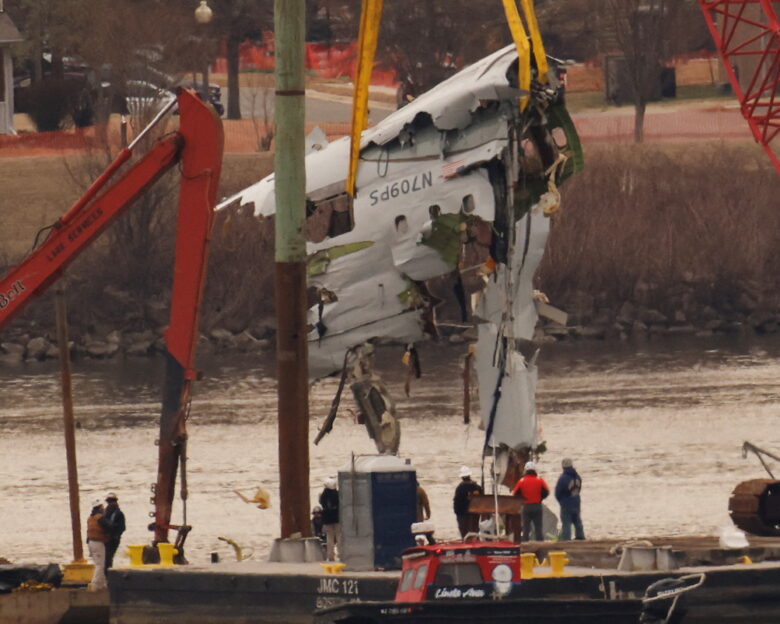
(334, 216)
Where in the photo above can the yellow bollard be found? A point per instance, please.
(136, 554)
(527, 563)
(330, 567)
(167, 551)
(558, 563)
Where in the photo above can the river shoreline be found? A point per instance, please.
(590, 319)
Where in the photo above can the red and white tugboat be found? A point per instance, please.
(477, 580)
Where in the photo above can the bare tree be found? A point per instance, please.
(425, 42)
(644, 31)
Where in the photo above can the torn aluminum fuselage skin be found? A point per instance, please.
(460, 168)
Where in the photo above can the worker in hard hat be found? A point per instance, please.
(533, 490)
(97, 537)
(113, 522)
(467, 522)
(329, 500)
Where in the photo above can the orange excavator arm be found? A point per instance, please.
(197, 148)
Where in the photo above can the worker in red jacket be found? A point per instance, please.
(533, 490)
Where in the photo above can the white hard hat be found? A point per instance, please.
(96, 503)
(330, 483)
(529, 465)
(465, 471)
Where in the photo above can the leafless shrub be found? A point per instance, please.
(705, 216)
(240, 285)
(133, 257)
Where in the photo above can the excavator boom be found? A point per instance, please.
(197, 148)
(73, 233)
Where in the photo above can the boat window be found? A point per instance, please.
(458, 574)
(328, 218)
(467, 205)
(422, 573)
(406, 581)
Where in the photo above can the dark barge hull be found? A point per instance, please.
(524, 610)
(735, 594)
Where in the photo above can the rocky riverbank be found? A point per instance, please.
(688, 309)
(34, 343)
(590, 318)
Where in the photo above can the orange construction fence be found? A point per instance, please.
(326, 60)
(251, 135)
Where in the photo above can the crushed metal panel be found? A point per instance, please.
(515, 424)
(449, 166)
(513, 285)
(451, 103)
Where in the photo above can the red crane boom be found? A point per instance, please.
(747, 34)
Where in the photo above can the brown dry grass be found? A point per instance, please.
(36, 190)
(41, 189)
(706, 215)
(638, 223)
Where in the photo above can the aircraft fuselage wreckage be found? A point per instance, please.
(462, 180)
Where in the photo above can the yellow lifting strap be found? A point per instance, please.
(520, 38)
(536, 40)
(370, 17)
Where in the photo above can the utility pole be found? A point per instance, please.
(292, 369)
(70, 429)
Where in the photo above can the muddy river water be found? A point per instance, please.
(655, 430)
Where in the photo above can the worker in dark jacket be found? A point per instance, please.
(567, 491)
(329, 501)
(467, 522)
(113, 523)
(533, 490)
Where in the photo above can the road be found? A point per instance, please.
(321, 107)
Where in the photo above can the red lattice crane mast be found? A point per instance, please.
(747, 33)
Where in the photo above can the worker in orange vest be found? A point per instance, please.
(533, 490)
(97, 537)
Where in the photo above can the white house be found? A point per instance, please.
(8, 35)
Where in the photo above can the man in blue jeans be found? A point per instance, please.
(567, 491)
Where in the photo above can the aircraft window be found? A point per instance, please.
(401, 224)
(468, 204)
(328, 218)
(422, 572)
(406, 581)
(459, 574)
(434, 211)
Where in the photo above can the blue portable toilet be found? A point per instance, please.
(377, 507)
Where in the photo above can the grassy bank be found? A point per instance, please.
(688, 231)
(645, 223)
